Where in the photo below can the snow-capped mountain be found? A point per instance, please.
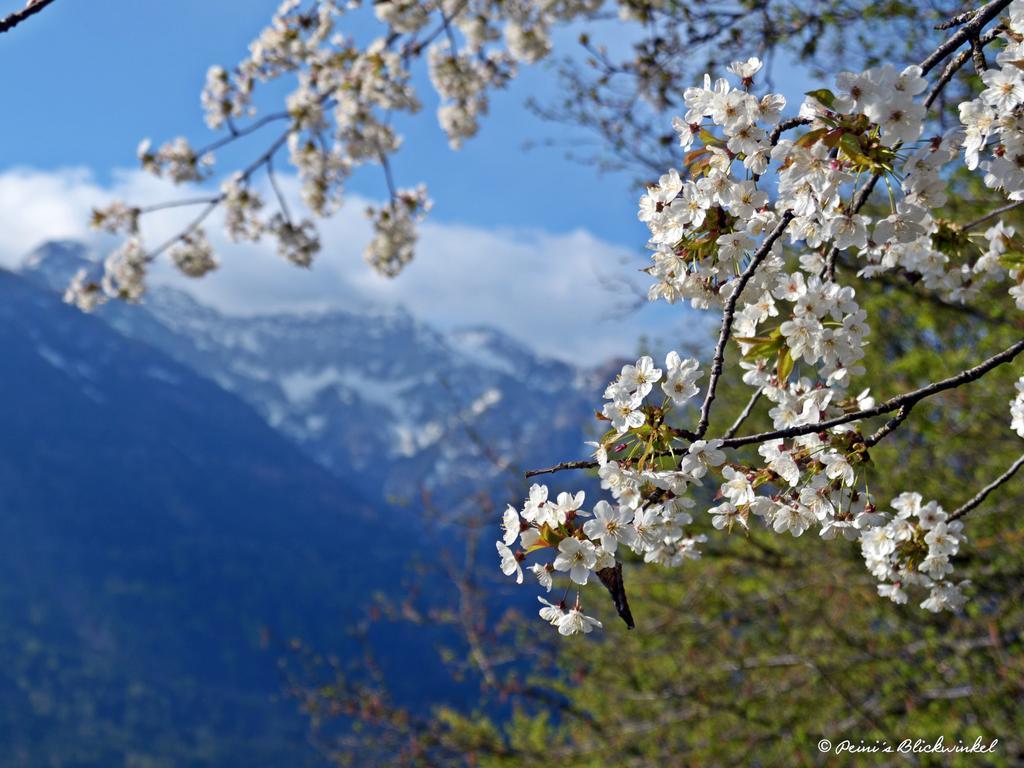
(400, 409)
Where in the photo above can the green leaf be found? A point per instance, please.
(784, 367)
(850, 146)
(1012, 260)
(766, 349)
(824, 95)
(811, 137)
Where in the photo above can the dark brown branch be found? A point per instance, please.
(744, 414)
(785, 125)
(970, 30)
(727, 318)
(889, 426)
(984, 492)
(565, 465)
(12, 20)
(978, 57)
(956, 64)
(828, 272)
(992, 215)
(956, 21)
(907, 399)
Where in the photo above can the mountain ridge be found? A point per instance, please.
(152, 529)
(377, 395)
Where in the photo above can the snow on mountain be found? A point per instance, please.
(400, 409)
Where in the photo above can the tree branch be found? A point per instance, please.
(955, 65)
(565, 465)
(744, 414)
(12, 20)
(785, 125)
(984, 492)
(828, 272)
(908, 400)
(727, 318)
(991, 215)
(889, 426)
(967, 32)
(266, 159)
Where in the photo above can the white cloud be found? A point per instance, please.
(549, 290)
(41, 206)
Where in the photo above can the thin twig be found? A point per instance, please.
(980, 497)
(187, 202)
(12, 20)
(992, 215)
(727, 319)
(192, 227)
(785, 125)
(744, 414)
(908, 399)
(214, 202)
(970, 30)
(267, 156)
(565, 465)
(277, 190)
(828, 272)
(388, 177)
(954, 66)
(889, 426)
(416, 48)
(237, 133)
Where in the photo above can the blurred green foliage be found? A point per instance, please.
(770, 643)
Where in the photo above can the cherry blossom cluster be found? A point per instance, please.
(338, 117)
(635, 382)
(785, 318)
(946, 260)
(912, 548)
(395, 226)
(757, 222)
(583, 542)
(994, 132)
(462, 81)
(176, 160)
(701, 227)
